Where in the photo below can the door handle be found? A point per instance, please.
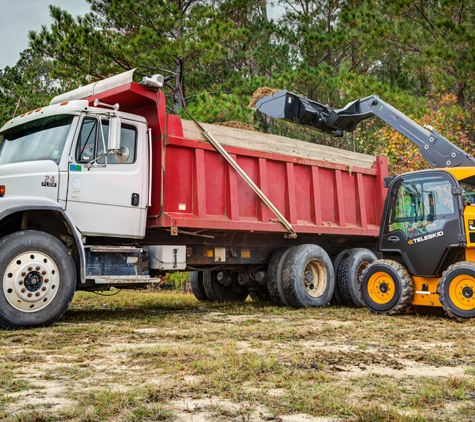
(393, 239)
(135, 200)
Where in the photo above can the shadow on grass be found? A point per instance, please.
(87, 307)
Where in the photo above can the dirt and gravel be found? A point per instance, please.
(161, 356)
(261, 93)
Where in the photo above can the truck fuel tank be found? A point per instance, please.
(167, 257)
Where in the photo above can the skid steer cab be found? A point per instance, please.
(427, 238)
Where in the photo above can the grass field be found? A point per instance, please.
(155, 356)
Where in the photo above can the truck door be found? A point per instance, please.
(108, 194)
(422, 220)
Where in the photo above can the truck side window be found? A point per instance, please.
(90, 144)
(128, 139)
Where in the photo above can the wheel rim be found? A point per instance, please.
(315, 278)
(362, 267)
(31, 281)
(462, 292)
(381, 288)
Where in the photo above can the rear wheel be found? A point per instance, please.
(457, 290)
(336, 259)
(38, 280)
(274, 277)
(350, 269)
(196, 282)
(308, 277)
(218, 292)
(387, 287)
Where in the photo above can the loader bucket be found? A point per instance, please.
(294, 108)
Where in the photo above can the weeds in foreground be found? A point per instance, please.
(149, 356)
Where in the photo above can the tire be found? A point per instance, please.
(347, 276)
(457, 290)
(336, 259)
(217, 292)
(274, 277)
(386, 287)
(38, 280)
(308, 277)
(196, 282)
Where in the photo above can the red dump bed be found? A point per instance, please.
(194, 187)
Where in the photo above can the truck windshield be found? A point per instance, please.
(41, 139)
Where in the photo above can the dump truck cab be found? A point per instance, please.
(52, 157)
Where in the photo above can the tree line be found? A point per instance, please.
(416, 55)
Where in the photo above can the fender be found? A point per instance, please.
(12, 205)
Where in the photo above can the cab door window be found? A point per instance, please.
(128, 140)
(421, 205)
(91, 143)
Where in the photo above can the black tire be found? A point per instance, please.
(386, 287)
(274, 277)
(336, 259)
(457, 290)
(347, 277)
(38, 280)
(196, 282)
(308, 277)
(260, 296)
(217, 292)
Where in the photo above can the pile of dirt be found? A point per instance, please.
(236, 125)
(261, 93)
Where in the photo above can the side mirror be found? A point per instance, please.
(121, 155)
(113, 142)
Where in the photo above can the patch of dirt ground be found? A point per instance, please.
(157, 356)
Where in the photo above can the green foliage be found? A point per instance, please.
(218, 53)
(25, 86)
(445, 116)
(175, 281)
(220, 107)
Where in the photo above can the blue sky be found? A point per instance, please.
(19, 17)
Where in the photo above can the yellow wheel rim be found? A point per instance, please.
(381, 288)
(462, 292)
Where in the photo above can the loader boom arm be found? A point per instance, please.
(435, 148)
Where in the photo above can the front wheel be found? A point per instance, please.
(387, 287)
(457, 290)
(38, 280)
